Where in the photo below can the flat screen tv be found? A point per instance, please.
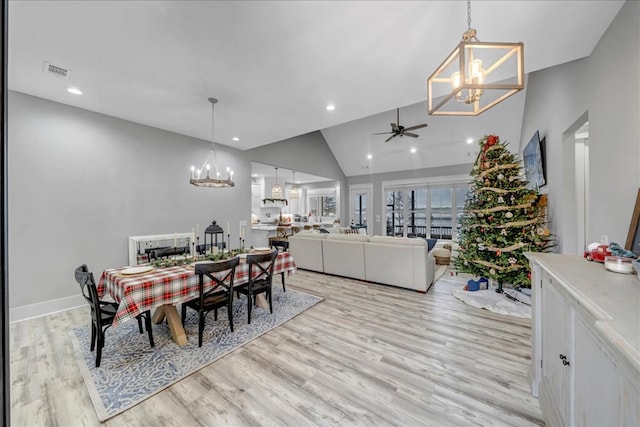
(534, 162)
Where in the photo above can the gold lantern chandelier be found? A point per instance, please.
(294, 191)
(276, 190)
(476, 75)
(207, 181)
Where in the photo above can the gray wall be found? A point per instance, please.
(604, 85)
(307, 153)
(80, 183)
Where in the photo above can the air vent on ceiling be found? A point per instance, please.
(54, 70)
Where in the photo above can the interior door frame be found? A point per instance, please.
(366, 189)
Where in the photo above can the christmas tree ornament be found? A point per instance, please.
(504, 232)
(512, 260)
(508, 214)
(500, 199)
(500, 176)
(498, 252)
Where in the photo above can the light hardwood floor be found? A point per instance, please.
(367, 355)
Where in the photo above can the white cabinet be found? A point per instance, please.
(596, 382)
(586, 342)
(555, 350)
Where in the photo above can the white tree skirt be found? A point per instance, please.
(490, 300)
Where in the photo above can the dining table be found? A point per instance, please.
(161, 288)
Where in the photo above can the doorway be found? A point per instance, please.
(576, 188)
(360, 206)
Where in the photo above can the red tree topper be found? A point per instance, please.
(491, 140)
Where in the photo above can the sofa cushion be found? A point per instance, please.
(343, 255)
(404, 241)
(349, 237)
(306, 249)
(399, 261)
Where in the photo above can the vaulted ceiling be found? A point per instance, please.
(275, 65)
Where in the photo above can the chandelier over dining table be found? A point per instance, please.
(207, 180)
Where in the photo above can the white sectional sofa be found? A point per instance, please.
(343, 255)
(308, 247)
(399, 261)
(395, 261)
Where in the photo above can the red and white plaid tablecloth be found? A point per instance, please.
(170, 285)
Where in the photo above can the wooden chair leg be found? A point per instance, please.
(200, 328)
(147, 318)
(99, 348)
(249, 307)
(283, 288)
(270, 302)
(140, 324)
(93, 336)
(230, 311)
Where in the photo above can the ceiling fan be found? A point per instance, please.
(398, 130)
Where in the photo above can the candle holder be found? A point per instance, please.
(193, 250)
(242, 246)
(198, 245)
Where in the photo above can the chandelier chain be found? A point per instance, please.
(468, 14)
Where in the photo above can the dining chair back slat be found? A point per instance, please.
(219, 293)
(261, 268)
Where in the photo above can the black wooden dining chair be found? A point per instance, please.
(219, 295)
(281, 246)
(260, 278)
(103, 312)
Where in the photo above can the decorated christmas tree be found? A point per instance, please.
(502, 219)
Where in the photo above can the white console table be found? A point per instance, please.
(174, 239)
(585, 362)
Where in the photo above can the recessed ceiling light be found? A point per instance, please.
(235, 138)
(74, 91)
(469, 140)
(369, 156)
(413, 149)
(331, 107)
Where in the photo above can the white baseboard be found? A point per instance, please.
(30, 311)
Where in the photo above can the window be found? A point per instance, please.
(441, 213)
(322, 206)
(407, 210)
(360, 209)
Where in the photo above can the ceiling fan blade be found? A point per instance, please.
(390, 138)
(424, 125)
(398, 115)
(395, 127)
(412, 135)
(382, 133)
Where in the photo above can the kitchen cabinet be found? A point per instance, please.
(585, 364)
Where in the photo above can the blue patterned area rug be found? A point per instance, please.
(131, 371)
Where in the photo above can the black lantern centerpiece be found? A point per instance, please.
(213, 231)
